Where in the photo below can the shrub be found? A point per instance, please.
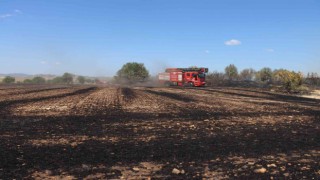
(27, 81)
(215, 78)
(290, 80)
(38, 80)
(9, 80)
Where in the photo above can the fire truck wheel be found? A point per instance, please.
(191, 84)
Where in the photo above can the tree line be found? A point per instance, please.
(284, 79)
(66, 78)
(134, 72)
(287, 80)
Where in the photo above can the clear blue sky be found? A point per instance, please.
(97, 37)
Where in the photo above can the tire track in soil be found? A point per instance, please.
(238, 103)
(253, 104)
(220, 103)
(125, 102)
(31, 89)
(41, 94)
(105, 101)
(169, 104)
(56, 107)
(138, 101)
(186, 106)
(10, 105)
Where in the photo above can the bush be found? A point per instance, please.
(38, 80)
(27, 81)
(215, 78)
(132, 73)
(303, 89)
(290, 80)
(8, 80)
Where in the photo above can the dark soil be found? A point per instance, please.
(84, 132)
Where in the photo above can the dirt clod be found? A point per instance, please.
(136, 169)
(175, 171)
(261, 170)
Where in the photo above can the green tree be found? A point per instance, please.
(132, 72)
(231, 72)
(9, 80)
(265, 74)
(27, 81)
(56, 80)
(247, 74)
(38, 80)
(81, 79)
(67, 78)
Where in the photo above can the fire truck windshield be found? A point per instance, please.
(202, 75)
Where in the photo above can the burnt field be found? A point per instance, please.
(90, 132)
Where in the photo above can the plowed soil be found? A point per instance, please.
(88, 132)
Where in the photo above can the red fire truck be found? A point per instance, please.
(183, 77)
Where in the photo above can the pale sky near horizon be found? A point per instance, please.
(97, 37)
